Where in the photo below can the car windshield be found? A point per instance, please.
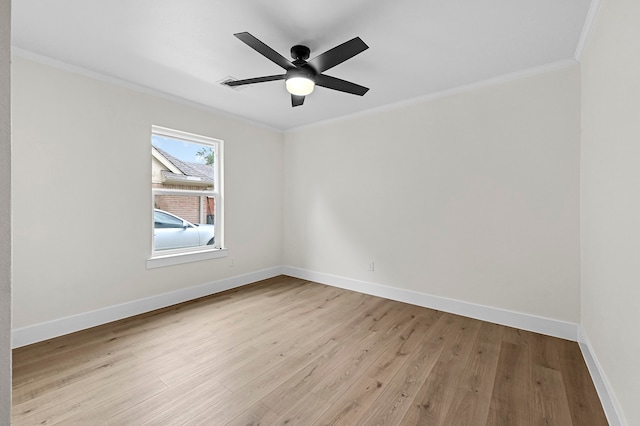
(165, 220)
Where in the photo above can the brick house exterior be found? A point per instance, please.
(169, 172)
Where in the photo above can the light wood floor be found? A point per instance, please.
(287, 351)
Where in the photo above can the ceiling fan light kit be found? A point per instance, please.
(301, 75)
(300, 86)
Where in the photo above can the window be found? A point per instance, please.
(186, 187)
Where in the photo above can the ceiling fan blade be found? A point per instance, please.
(264, 50)
(338, 54)
(340, 85)
(296, 100)
(255, 80)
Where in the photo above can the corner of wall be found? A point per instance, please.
(533, 323)
(61, 326)
(605, 392)
(5, 212)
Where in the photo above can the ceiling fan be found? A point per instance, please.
(301, 75)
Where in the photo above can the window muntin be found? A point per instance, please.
(186, 192)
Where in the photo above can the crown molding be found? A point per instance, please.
(587, 28)
(494, 81)
(55, 63)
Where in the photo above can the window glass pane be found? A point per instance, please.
(179, 164)
(190, 208)
(183, 182)
(179, 226)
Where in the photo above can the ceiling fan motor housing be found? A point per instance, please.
(304, 71)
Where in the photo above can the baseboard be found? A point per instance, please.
(605, 392)
(47, 330)
(547, 326)
(43, 331)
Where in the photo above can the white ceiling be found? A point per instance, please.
(416, 47)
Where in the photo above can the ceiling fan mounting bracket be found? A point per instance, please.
(300, 52)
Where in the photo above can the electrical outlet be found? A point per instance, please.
(371, 267)
(232, 262)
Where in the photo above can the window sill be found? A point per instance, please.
(180, 258)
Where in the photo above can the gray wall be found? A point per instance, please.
(610, 200)
(91, 140)
(5, 213)
(472, 197)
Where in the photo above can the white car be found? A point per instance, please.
(172, 232)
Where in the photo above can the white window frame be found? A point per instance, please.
(170, 257)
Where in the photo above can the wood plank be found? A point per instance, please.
(361, 395)
(511, 396)
(174, 405)
(442, 388)
(472, 396)
(222, 411)
(584, 404)
(550, 406)
(257, 414)
(398, 396)
(545, 351)
(388, 326)
(354, 403)
(304, 380)
(304, 411)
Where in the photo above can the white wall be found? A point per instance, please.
(610, 199)
(5, 212)
(81, 193)
(473, 196)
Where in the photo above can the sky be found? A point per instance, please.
(185, 151)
